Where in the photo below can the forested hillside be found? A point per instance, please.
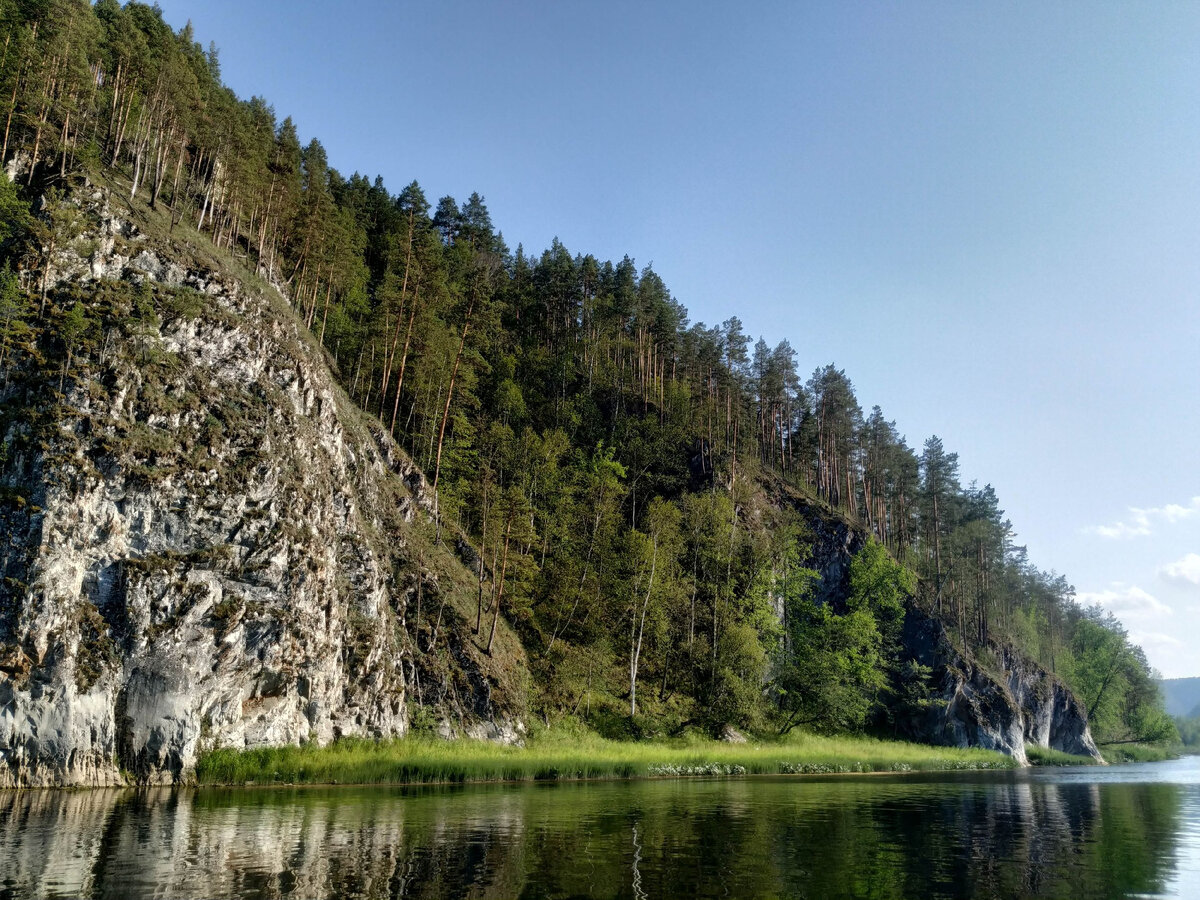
(1182, 696)
(618, 467)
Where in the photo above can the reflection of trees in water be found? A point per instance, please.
(1017, 839)
(872, 838)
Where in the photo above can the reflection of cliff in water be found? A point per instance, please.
(884, 838)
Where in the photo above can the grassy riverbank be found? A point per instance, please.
(1113, 754)
(553, 756)
(1044, 756)
(1125, 753)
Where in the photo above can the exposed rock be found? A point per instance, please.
(834, 544)
(505, 732)
(1054, 717)
(1017, 704)
(206, 544)
(731, 735)
(1003, 710)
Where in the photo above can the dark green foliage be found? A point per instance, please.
(16, 328)
(14, 220)
(911, 694)
(833, 669)
(180, 303)
(97, 652)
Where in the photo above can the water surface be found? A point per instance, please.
(1125, 831)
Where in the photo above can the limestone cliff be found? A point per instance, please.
(204, 542)
(1002, 706)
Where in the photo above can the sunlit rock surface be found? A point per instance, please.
(205, 544)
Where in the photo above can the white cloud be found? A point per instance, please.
(1184, 571)
(1152, 640)
(1173, 512)
(1141, 521)
(1121, 530)
(1126, 600)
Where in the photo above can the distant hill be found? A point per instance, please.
(1182, 696)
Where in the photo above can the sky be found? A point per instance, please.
(987, 214)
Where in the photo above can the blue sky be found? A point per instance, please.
(989, 215)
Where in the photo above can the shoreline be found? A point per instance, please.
(255, 786)
(557, 756)
(593, 779)
(1005, 764)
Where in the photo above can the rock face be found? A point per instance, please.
(205, 544)
(834, 544)
(1004, 706)
(1053, 716)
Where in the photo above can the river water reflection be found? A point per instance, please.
(1126, 831)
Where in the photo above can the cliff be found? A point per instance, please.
(205, 543)
(1003, 705)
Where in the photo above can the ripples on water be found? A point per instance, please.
(1128, 831)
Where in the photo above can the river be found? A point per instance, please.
(1086, 833)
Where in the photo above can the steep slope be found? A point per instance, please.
(206, 543)
(1001, 706)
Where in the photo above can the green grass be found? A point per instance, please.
(558, 755)
(1112, 753)
(1044, 756)
(1125, 753)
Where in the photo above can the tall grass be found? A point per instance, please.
(554, 756)
(1112, 753)
(1124, 753)
(1044, 756)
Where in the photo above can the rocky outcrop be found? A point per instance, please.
(1002, 707)
(832, 543)
(205, 543)
(1053, 716)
